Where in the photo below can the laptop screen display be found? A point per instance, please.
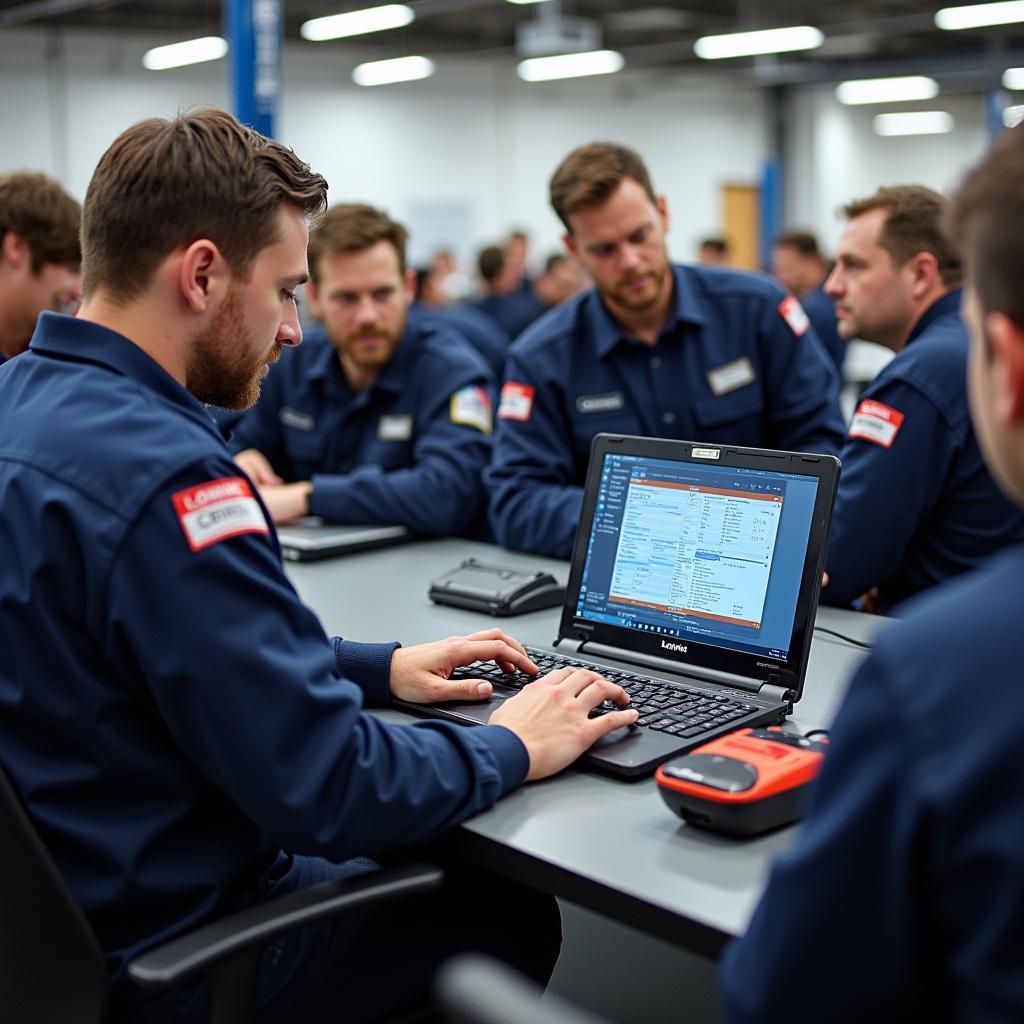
(700, 552)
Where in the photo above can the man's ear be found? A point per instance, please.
(570, 245)
(410, 284)
(203, 275)
(923, 271)
(15, 250)
(662, 206)
(1005, 340)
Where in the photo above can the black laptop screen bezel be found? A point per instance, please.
(759, 668)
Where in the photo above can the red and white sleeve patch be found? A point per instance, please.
(516, 401)
(876, 422)
(794, 315)
(219, 509)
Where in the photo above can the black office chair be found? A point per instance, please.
(475, 989)
(52, 969)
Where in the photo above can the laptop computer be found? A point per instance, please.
(310, 539)
(694, 583)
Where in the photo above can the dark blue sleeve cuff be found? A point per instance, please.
(367, 665)
(510, 757)
(328, 497)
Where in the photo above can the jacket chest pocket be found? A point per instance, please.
(586, 425)
(305, 449)
(389, 454)
(735, 418)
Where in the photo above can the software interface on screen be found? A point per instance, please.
(703, 552)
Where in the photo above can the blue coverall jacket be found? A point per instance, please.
(728, 368)
(171, 714)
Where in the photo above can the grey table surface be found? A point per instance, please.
(608, 845)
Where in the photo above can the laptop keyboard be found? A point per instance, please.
(673, 708)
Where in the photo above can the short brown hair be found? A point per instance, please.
(353, 227)
(913, 224)
(589, 175)
(986, 221)
(40, 211)
(802, 241)
(164, 183)
(491, 262)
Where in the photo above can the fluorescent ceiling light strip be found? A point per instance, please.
(526, 1)
(570, 65)
(356, 23)
(980, 15)
(921, 122)
(189, 51)
(887, 90)
(1012, 116)
(398, 69)
(749, 44)
(1013, 78)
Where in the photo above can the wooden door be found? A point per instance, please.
(740, 218)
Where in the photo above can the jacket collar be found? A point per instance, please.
(324, 365)
(686, 308)
(83, 341)
(949, 303)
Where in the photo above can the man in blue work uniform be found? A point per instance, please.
(39, 255)
(903, 898)
(704, 354)
(433, 309)
(378, 418)
(508, 300)
(797, 264)
(916, 504)
(171, 715)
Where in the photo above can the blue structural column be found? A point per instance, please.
(253, 28)
(995, 104)
(772, 194)
(771, 208)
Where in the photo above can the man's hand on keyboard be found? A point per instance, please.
(422, 674)
(552, 717)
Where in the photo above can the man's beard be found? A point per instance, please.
(622, 297)
(221, 369)
(380, 356)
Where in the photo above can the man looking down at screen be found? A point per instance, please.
(655, 348)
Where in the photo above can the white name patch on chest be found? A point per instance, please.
(394, 428)
(600, 403)
(296, 419)
(731, 376)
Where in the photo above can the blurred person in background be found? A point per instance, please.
(799, 266)
(40, 255)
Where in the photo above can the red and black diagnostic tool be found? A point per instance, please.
(745, 783)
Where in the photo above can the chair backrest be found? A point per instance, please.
(51, 968)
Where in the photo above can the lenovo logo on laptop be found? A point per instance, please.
(674, 647)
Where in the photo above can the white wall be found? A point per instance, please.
(835, 156)
(470, 151)
(473, 144)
